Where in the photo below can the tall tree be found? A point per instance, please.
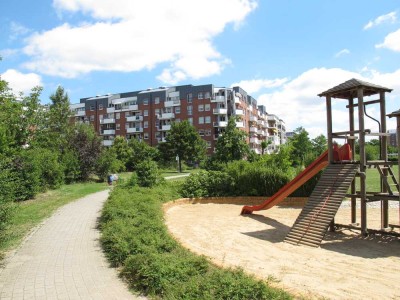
(232, 145)
(184, 141)
(140, 151)
(319, 144)
(301, 146)
(123, 151)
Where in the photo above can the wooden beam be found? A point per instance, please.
(366, 103)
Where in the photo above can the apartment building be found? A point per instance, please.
(147, 115)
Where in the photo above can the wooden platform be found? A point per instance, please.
(322, 206)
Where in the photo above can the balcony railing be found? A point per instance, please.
(108, 142)
(220, 111)
(107, 121)
(80, 113)
(253, 119)
(166, 127)
(240, 124)
(220, 124)
(134, 129)
(253, 129)
(218, 99)
(172, 103)
(110, 109)
(237, 100)
(109, 131)
(166, 116)
(134, 118)
(254, 141)
(239, 112)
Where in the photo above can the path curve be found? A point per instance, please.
(63, 259)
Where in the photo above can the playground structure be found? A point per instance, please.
(342, 171)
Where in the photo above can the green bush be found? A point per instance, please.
(135, 238)
(196, 185)
(147, 172)
(70, 163)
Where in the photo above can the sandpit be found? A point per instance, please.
(346, 266)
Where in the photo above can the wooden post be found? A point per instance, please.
(352, 145)
(360, 95)
(384, 156)
(329, 128)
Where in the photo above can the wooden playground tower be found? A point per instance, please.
(354, 92)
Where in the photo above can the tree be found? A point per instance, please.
(140, 151)
(301, 146)
(264, 145)
(123, 152)
(86, 145)
(184, 141)
(232, 145)
(319, 144)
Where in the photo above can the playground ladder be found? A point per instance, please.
(322, 206)
(385, 178)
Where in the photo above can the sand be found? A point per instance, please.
(346, 266)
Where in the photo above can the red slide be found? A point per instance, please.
(316, 166)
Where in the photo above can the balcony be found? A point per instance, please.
(108, 142)
(172, 103)
(109, 131)
(166, 116)
(107, 121)
(216, 136)
(220, 124)
(239, 112)
(166, 127)
(134, 129)
(261, 132)
(255, 141)
(237, 100)
(220, 111)
(80, 113)
(253, 119)
(253, 129)
(217, 99)
(260, 122)
(239, 124)
(134, 118)
(110, 109)
(133, 107)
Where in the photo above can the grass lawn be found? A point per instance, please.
(31, 212)
(373, 179)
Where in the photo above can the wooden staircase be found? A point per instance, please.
(390, 185)
(322, 206)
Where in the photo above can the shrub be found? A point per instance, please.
(147, 172)
(107, 163)
(196, 185)
(70, 163)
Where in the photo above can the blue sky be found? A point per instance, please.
(282, 52)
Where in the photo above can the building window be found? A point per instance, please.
(177, 120)
(146, 136)
(156, 100)
(190, 120)
(91, 107)
(201, 132)
(208, 132)
(201, 120)
(117, 126)
(207, 107)
(189, 110)
(145, 101)
(208, 144)
(145, 112)
(200, 95)
(189, 97)
(100, 106)
(201, 107)
(145, 124)
(117, 116)
(208, 120)
(177, 110)
(91, 118)
(207, 95)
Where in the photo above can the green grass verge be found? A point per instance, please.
(373, 179)
(136, 239)
(30, 213)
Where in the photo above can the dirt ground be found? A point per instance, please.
(346, 266)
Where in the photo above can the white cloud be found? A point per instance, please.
(18, 30)
(297, 103)
(21, 82)
(4, 53)
(132, 35)
(392, 41)
(388, 18)
(255, 85)
(342, 52)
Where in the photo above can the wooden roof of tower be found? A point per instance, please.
(394, 114)
(348, 89)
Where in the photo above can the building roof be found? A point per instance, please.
(394, 114)
(349, 88)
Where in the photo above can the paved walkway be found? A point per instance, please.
(62, 259)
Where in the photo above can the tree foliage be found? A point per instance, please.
(301, 146)
(184, 141)
(231, 144)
